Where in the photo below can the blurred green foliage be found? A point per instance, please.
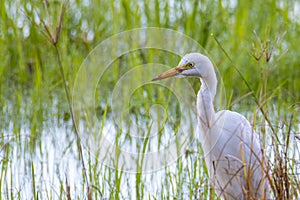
(27, 59)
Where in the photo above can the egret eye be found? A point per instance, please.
(190, 65)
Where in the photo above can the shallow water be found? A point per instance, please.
(45, 165)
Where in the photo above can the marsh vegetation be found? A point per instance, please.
(255, 46)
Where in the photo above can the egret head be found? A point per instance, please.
(192, 64)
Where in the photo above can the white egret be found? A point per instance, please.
(233, 153)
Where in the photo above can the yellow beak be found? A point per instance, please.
(171, 72)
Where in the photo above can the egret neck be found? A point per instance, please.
(205, 97)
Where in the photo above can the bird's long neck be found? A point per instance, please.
(210, 83)
(205, 107)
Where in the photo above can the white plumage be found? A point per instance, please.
(233, 153)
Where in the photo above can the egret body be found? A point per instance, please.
(233, 153)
